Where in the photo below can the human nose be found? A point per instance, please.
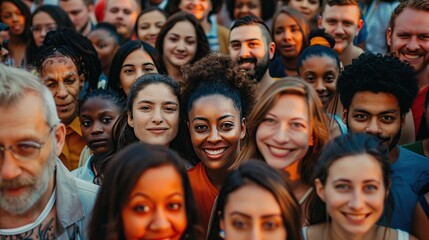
(320, 86)
(214, 136)
(256, 233)
(157, 116)
(15, 17)
(373, 127)
(62, 91)
(413, 44)
(159, 221)
(244, 52)
(97, 128)
(281, 134)
(181, 46)
(9, 169)
(357, 201)
(339, 29)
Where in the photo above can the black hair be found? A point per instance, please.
(253, 20)
(25, 11)
(378, 73)
(110, 28)
(126, 49)
(319, 50)
(145, 11)
(261, 174)
(61, 19)
(268, 8)
(99, 162)
(350, 144)
(122, 173)
(79, 50)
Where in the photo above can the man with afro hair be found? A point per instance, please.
(376, 92)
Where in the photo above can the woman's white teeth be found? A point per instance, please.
(214, 152)
(278, 150)
(356, 217)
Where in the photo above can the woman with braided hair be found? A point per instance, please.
(64, 66)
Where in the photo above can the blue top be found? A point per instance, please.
(409, 173)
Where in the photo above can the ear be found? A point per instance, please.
(319, 21)
(272, 49)
(130, 119)
(320, 190)
(389, 36)
(360, 24)
(243, 128)
(60, 136)
(221, 224)
(344, 117)
(81, 80)
(311, 140)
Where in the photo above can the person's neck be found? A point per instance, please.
(174, 72)
(394, 154)
(86, 29)
(423, 77)
(333, 231)
(216, 176)
(265, 82)
(10, 220)
(205, 24)
(350, 53)
(290, 63)
(69, 120)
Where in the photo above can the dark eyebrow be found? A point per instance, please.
(248, 216)
(220, 118)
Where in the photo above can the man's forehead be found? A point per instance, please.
(412, 20)
(132, 4)
(348, 12)
(246, 33)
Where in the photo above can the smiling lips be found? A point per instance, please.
(279, 152)
(356, 218)
(214, 153)
(157, 131)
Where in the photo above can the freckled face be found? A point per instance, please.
(60, 75)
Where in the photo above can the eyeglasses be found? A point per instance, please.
(26, 150)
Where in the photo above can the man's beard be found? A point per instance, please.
(35, 188)
(260, 67)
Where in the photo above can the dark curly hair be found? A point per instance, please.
(378, 73)
(218, 74)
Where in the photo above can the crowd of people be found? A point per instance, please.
(211, 119)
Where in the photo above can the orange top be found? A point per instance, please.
(73, 145)
(205, 194)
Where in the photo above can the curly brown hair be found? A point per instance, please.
(218, 74)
